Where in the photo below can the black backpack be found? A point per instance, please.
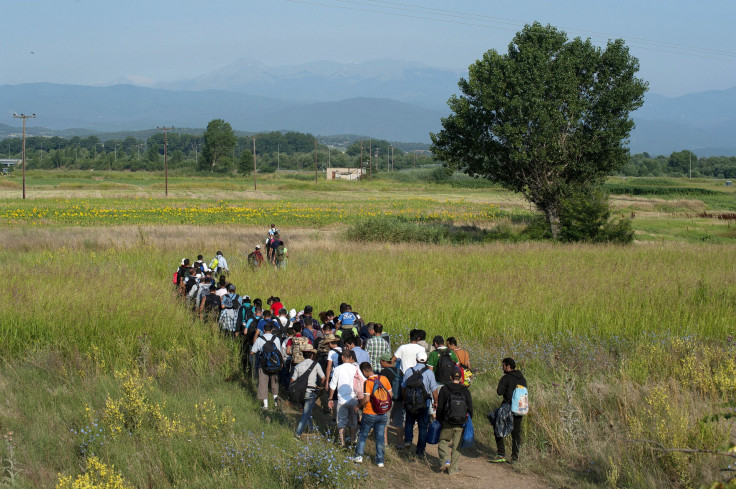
(298, 388)
(271, 360)
(445, 367)
(456, 409)
(244, 314)
(415, 395)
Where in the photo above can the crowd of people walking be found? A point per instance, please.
(363, 379)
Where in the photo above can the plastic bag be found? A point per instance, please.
(468, 439)
(433, 433)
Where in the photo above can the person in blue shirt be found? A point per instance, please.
(421, 417)
(346, 318)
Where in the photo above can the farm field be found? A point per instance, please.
(626, 349)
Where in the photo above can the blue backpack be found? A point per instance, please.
(271, 361)
(520, 401)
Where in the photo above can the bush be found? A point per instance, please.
(585, 216)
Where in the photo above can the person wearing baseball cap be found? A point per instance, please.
(418, 378)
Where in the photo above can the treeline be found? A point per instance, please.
(194, 153)
(680, 164)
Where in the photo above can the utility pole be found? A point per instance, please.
(255, 184)
(278, 158)
(24, 117)
(415, 158)
(361, 158)
(315, 161)
(392, 158)
(166, 159)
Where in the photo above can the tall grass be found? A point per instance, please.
(618, 344)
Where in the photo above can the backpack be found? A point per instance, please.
(381, 401)
(415, 395)
(456, 409)
(245, 313)
(298, 388)
(252, 261)
(280, 251)
(271, 361)
(296, 349)
(175, 278)
(445, 367)
(520, 401)
(229, 301)
(213, 264)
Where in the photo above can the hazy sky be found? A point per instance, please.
(683, 46)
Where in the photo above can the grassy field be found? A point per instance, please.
(619, 344)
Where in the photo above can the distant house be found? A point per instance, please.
(344, 173)
(8, 163)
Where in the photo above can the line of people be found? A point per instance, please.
(350, 367)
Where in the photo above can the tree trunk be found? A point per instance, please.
(553, 219)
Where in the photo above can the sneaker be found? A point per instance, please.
(498, 459)
(380, 465)
(357, 460)
(445, 467)
(402, 446)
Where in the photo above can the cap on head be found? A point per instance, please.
(386, 357)
(422, 356)
(258, 247)
(231, 287)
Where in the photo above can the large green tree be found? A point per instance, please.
(219, 142)
(549, 116)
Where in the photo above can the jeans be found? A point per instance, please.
(377, 422)
(310, 399)
(515, 440)
(422, 420)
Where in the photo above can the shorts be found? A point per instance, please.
(347, 416)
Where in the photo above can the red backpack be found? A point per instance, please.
(381, 400)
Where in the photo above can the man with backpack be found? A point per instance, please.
(229, 314)
(442, 361)
(209, 307)
(419, 390)
(454, 405)
(509, 383)
(376, 404)
(296, 344)
(310, 373)
(269, 361)
(255, 258)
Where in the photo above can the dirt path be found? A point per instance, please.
(406, 470)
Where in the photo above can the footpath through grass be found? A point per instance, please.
(618, 344)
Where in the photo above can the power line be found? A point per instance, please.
(498, 23)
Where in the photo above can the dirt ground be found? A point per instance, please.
(404, 469)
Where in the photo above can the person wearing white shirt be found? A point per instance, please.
(408, 353)
(264, 378)
(342, 382)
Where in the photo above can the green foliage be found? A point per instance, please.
(585, 216)
(219, 141)
(549, 114)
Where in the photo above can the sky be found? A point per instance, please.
(682, 46)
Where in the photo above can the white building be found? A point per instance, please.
(344, 173)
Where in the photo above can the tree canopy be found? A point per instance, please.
(548, 117)
(219, 142)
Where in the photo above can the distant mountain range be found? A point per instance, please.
(386, 99)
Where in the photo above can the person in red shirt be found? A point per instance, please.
(275, 304)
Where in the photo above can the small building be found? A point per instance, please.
(6, 165)
(344, 173)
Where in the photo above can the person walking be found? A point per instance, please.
(373, 420)
(268, 360)
(376, 346)
(343, 382)
(454, 405)
(419, 390)
(506, 386)
(314, 380)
